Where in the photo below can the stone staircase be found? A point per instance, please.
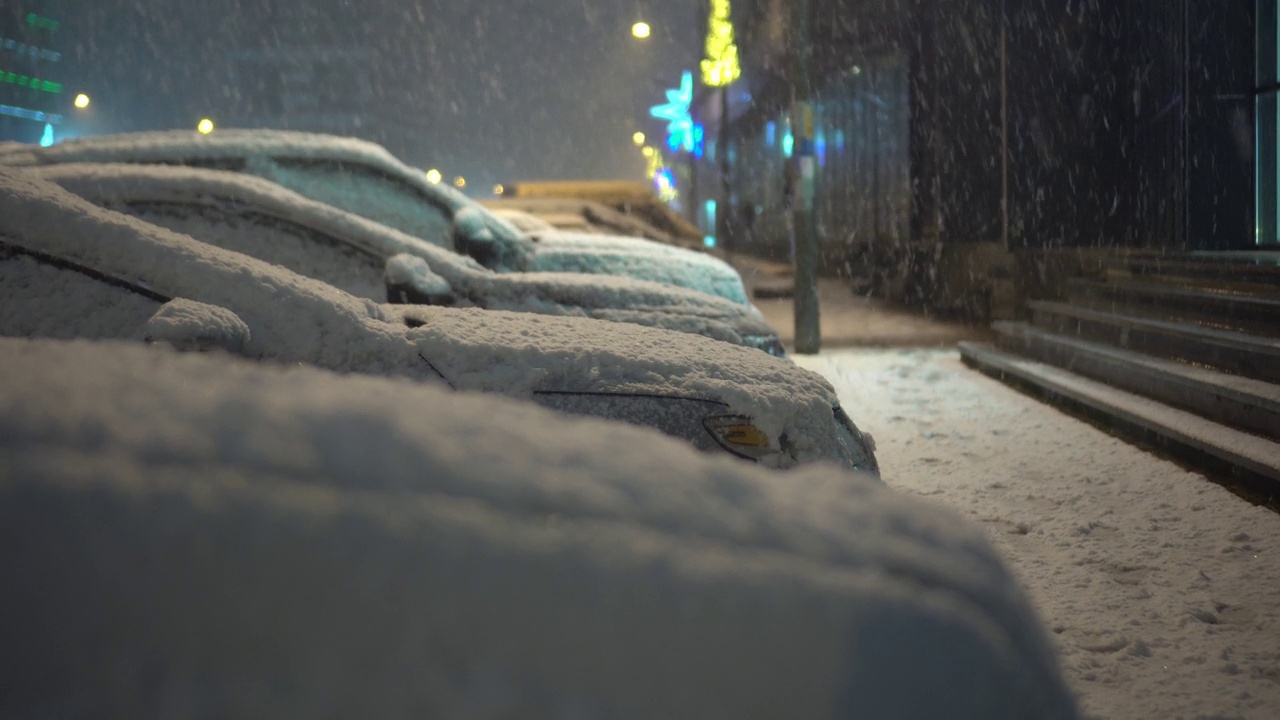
(1180, 351)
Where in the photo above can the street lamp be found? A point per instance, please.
(82, 101)
(641, 30)
(638, 139)
(434, 176)
(205, 126)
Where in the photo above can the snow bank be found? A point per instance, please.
(294, 543)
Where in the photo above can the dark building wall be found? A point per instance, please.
(1221, 78)
(1158, 172)
(1070, 123)
(956, 121)
(1028, 125)
(1128, 124)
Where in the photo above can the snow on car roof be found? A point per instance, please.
(182, 145)
(603, 296)
(551, 559)
(294, 318)
(593, 252)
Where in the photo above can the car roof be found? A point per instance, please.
(183, 146)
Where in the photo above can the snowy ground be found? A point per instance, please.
(1162, 590)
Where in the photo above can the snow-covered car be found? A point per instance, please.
(367, 259)
(527, 222)
(219, 537)
(534, 214)
(71, 269)
(363, 178)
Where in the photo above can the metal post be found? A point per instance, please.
(722, 228)
(804, 221)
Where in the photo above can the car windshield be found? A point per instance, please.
(1031, 248)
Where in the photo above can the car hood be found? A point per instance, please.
(543, 353)
(637, 258)
(620, 299)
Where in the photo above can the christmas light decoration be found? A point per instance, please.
(676, 113)
(720, 67)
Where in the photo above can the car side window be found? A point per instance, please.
(303, 250)
(43, 298)
(366, 192)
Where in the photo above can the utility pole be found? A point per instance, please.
(723, 220)
(804, 173)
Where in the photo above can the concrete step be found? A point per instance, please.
(1196, 283)
(1254, 313)
(1209, 445)
(1216, 271)
(1226, 350)
(1241, 402)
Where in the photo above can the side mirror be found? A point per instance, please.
(411, 281)
(491, 241)
(473, 237)
(472, 224)
(195, 326)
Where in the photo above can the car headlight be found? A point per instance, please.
(739, 436)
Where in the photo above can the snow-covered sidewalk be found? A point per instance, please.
(1162, 589)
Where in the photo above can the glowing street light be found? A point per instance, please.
(82, 101)
(641, 30)
(434, 177)
(499, 189)
(205, 126)
(459, 182)
(638, 139)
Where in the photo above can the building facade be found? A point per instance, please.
(305, 73)
(957, 142)
(32, 98)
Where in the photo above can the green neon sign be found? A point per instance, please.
(27, 81)
(41, 22)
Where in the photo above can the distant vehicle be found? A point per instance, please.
(527, 222)
(222, 536)
(363, 178)
(70, 269)
(367, 259)
(540, 214)
(631, 199)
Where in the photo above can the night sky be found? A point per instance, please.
(495, 89)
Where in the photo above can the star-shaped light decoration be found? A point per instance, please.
(676, 113)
